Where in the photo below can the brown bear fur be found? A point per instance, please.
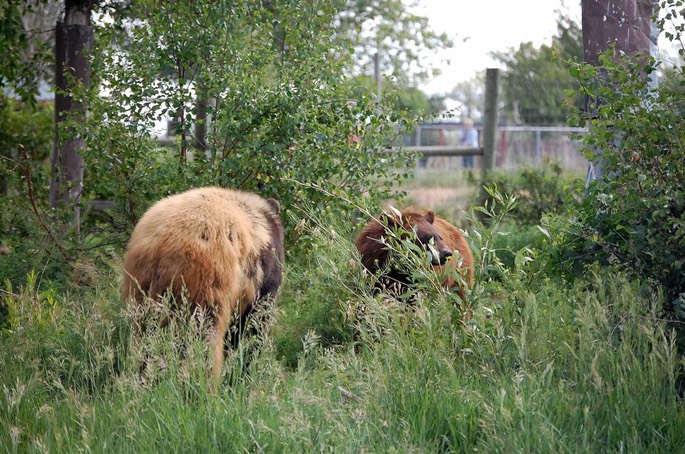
(446, 239)
(223, 248)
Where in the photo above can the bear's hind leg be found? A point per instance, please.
(222, 320)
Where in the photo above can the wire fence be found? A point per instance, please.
(515, 146)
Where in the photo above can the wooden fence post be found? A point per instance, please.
(490, 118)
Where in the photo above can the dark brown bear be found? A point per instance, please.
(223, 248)
(446, 239)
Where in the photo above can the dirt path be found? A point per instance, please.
(451, 202)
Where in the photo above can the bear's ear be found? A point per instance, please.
(273, 203)
(430, 216)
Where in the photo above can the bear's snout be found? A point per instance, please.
(443, 256)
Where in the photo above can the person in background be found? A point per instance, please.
(469, 138)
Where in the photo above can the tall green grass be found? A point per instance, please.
(538, 365)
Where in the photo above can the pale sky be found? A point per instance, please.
(479, 27)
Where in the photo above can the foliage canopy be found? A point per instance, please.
(535, 81)
(388, 28)
(280, 115)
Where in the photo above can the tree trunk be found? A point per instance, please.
(626, 23)
(74, 36)
(201, 120)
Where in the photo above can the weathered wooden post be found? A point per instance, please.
(490, 118)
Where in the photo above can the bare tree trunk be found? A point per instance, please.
(626, 23)
(201, 104)
(74, 36)
(377, 74)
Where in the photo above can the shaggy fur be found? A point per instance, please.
(223, 248)
(446, 240)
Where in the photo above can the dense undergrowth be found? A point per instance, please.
(530, 362)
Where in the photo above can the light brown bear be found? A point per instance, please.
(446, 239)
(222, 247)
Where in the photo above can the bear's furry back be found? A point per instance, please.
(211, 241)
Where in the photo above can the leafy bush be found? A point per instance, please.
(25, 131)
(26, 136)
(634, 215)
(280, 119)
(279, 111)
(538, 190)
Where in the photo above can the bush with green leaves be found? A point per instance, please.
(634, 214)
(26, 135)
(25, 132)
(265, 86)
(262, 81)
(538, 190)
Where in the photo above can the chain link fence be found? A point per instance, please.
(515, 146)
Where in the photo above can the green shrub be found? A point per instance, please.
(515, 238)
(538, 191)
(634, 215)
(26, 136)
(278, 116)
(280, 112)
(319, 286)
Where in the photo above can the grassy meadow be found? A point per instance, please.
(533, 361)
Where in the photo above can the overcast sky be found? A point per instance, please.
(479, 27)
